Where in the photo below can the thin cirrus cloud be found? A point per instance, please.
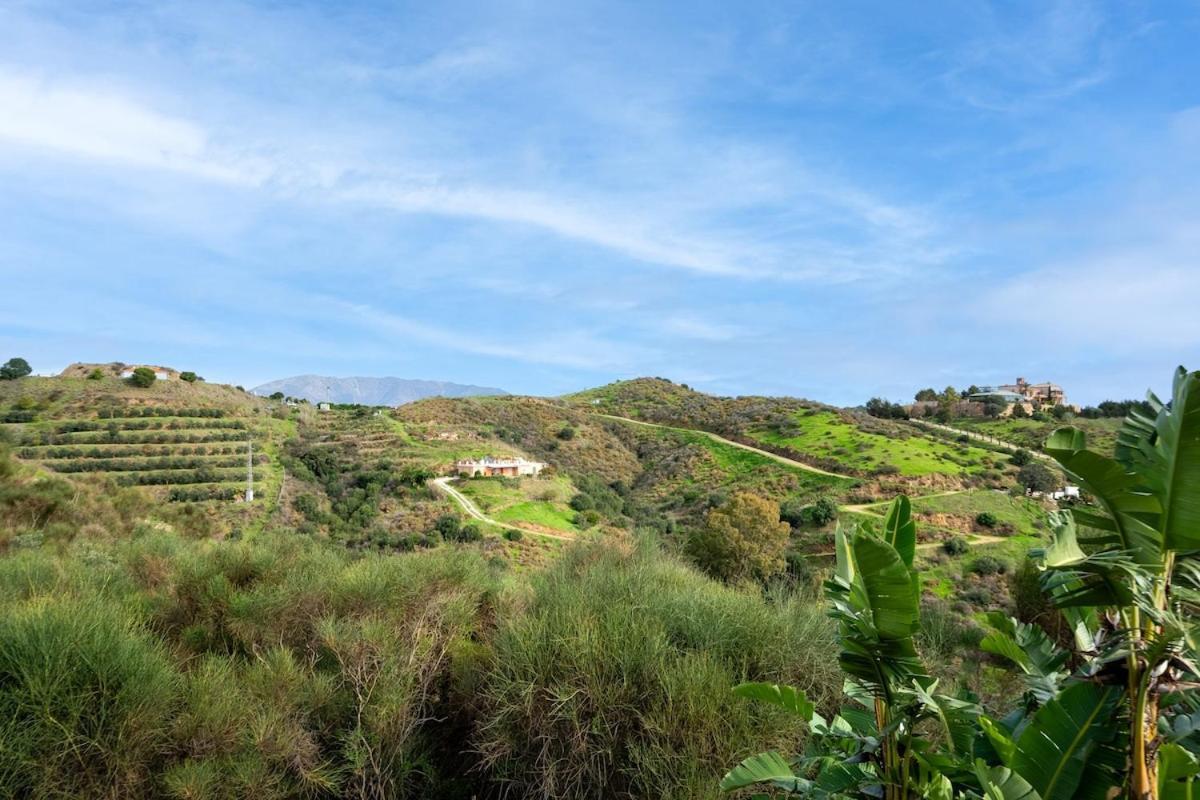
(759, 199)
(94, 122)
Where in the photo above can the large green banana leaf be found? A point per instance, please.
(900, 531)
(1132, 509)
(786, 697)
(1029, 648)
(1080, 579)
(1053, 750)
(878, 609)
(1178, 771)
(767, 768)
(1001, 783)
(1165, 452)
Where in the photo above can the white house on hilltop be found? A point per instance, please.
(159, 374)
(490, 466)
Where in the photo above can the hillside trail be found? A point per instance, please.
(473, 511)
(865, 508)
(992, 440)
(973, 539)
(718, 438)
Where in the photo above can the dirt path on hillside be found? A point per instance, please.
(864, 508)
(717, 438)
(982, 437)
(472, 510)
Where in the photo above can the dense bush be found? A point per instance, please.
(743, 539)
(14, 368)
(955, 546)
(989, 565)
(1020, 457)
(142, 377)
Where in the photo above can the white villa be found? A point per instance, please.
(491, 465)
(159, 373)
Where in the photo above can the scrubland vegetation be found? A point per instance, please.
(353, 634)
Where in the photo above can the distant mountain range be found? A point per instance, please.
(369, 391)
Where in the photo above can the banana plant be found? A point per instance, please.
(1132, 560)
(872, 749)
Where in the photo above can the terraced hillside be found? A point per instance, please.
(182, 442)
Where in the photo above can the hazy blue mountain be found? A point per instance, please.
(368, 391)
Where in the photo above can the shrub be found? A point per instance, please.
(945, 633)
(142, 377)
(986, 519)
(1020, 457)
(989, 565)
(86, 702)
(955, 546)
(582, 502)
(466, 533)
(978, 596)
(742, 539)
(822, 512)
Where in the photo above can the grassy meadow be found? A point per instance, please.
(828, 436)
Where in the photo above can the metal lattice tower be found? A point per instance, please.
(249, 470)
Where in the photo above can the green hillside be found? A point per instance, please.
(553, 636)
(1031, 434)
(864, 445)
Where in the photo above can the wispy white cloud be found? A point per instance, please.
(701, 328)
(497, 337)
(1039, 59)
(91, 122)
(1118, 302)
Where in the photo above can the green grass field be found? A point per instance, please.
(735, 469)
(826, 435)
(526, 501)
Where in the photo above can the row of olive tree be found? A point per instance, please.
(1118, 713)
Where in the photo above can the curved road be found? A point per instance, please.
(717, 438)
(473, 511)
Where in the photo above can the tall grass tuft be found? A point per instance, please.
(85, 702)
(615, 682)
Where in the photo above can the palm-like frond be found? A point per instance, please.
(1132, 510)
(1164, 451)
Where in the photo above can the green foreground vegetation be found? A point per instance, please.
(353, 633)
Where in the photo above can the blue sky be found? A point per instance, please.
(829, 200)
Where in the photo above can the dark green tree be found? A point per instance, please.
(142, 377)
(1038, 478)
(15, 368)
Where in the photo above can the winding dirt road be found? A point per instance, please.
(473, 511)
(717, 438)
